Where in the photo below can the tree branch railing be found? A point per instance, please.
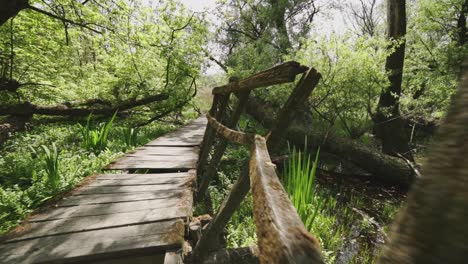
(282, 237)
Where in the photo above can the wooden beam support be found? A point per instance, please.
(298, 97)
(229, 134)
(210, 237)
(217, 110)
(282, 73)
(282, 237)
(218, 152)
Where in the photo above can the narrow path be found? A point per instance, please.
(119, 218)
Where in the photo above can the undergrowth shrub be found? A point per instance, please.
(51, 167)
(96, 139)
(130, 136)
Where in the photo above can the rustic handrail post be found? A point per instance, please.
(222, 144)
(309, 80)
(217, 110)
(281, 235)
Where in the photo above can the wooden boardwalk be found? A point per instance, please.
(119, 218)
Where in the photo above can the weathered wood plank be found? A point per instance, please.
(85, 190)
(282, 73)
(282, 237)
(130, 163)
(88, 223)
(144, 181)
(189, 135)
(165, 151)
(98, 244)
(135, 176)
(105, 209)
(121, 197)
(155, 158)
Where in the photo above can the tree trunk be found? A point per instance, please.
(432, 227)
(461, 24)
(384, 168)
(389, 127)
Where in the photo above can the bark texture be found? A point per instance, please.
(432, 227)
(389, 126)
(282, 237)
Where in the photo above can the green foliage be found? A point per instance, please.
(143, 49)
(130, 136)
(51, 162)
(298, 177)
(96, 139)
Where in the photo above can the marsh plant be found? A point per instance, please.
(95, 139)
(299, 181)
(130, 136)
(51, 166)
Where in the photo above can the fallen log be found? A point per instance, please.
(384, 168)
(28, 109)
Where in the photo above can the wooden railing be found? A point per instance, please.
(282, 237)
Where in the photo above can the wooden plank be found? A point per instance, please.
(137, 181)
(153, 165)
(192, 138)
(165, 151)
(155, 158)
(189, 135)
(88, 223)
(121, 197)
(85, 190)
(105, 209)
(98, 244)
(155, 162)
(135, 176)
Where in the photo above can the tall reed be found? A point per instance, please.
(51, 161)
(96, 139)
(299, 180)
(130, 136)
